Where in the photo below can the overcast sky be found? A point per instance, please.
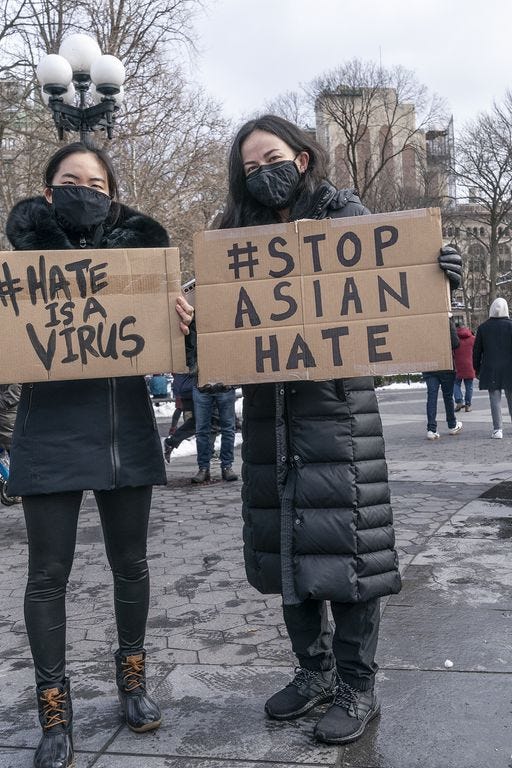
(253, 50)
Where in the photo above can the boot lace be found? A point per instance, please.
(53, 707)
(305, 677)
(133, 672)
(345, 695)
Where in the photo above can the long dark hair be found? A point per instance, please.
(61, 154)
(242, 209)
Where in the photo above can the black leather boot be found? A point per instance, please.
(140, 711)
(55, 750)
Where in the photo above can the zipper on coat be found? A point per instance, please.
(83, 241)
(29, 406)
(294, 460)
(114, 450)
(282, 452)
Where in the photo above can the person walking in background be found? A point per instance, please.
(444, 380)
(464, 371)
(316, 505)
(182, 386)
(492, 361)
(71, 436)
(205, 400)
(9, 399)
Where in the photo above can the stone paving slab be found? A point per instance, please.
(115, 761)
(480, 518)
(217, 713)
(95, 705)
(217, 648)
(23, 758)
(417, 637)
(476, 571)
(446, 471)
(437, 720)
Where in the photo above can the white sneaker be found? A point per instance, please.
(456, 429)
(433, 435)
(497, 434)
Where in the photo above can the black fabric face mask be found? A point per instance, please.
(275, 184)
(79, 209)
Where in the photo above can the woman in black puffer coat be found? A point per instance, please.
(316, 504)
(70, 436)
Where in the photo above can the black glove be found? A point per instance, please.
(450, 262)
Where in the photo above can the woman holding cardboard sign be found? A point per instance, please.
(317, 517)
(95, 434)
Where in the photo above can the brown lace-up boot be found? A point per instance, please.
(55, 750)
(139, 709)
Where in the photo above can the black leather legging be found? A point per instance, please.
(51, 528)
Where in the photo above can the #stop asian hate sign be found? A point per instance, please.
(322, 299)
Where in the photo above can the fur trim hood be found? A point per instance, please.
(31, 225)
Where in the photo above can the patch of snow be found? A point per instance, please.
(403, 385)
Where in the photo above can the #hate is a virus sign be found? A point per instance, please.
(88, 314)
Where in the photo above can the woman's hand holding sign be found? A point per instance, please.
(186, 313)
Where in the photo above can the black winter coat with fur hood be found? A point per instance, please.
(94, 434)
(316, 503)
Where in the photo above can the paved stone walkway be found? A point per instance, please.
(217, 648)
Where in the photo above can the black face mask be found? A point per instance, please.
(79, 209)
(274, 185)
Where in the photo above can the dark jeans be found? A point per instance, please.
(445, 380)
(204, 403)
(457, 391)
(351, 647)
(51, 528)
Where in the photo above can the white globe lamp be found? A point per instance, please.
(81, 51)
(108, 70)
(54, 73)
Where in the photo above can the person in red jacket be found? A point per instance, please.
(464, 371)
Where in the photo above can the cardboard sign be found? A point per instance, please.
(322, 299)
(86, 314)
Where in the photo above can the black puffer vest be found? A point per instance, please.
(94, 434)
(316, 504)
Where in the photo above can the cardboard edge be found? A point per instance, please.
(177, 357)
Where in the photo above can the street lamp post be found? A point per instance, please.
(80, 69)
